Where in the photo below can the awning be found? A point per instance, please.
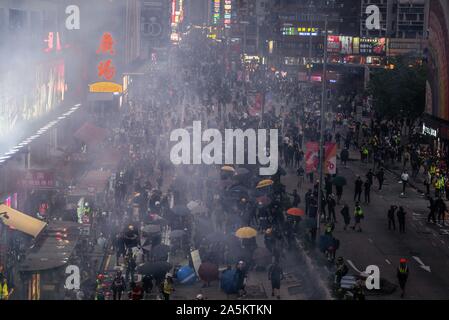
(21, 221)
(91, 134)
(53, 248)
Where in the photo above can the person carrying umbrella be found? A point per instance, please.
(402, 275)
(240, 278)
(275, 274)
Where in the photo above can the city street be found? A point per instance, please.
(214, 150)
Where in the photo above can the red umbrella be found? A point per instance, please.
(208, 271)
(296, 212)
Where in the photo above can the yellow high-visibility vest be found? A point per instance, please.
(4, 292)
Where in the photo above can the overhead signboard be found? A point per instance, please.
(108, 87)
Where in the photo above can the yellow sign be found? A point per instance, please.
(105, 87)
(21, 221)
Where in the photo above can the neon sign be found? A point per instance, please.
(227, 13)
(106, 69)
(216, 11)
(50, 40)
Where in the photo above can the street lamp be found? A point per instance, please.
(322, 124)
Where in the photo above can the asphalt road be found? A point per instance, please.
(425, 246)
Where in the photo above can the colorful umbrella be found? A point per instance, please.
(246, 233)
(186, 275)
(296, 212)
(264, 183)
(228, 169)
(228, 283)
(208, 271)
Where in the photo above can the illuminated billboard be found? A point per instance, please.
(216, 11)
(227, 13)
(299, 31)
(353, 45)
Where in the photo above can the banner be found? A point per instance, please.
(312, 157)
(255, 103)
(331, 158)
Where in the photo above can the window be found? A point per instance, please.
(17, 20)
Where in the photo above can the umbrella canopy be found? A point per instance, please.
(157, 269)
(186, 275)
(228, 283)
(339, 181)
(262, 256)
(227, 169)
(296, 212)
(241, 172)
(246, 233)
(180, 210)
(151, 228)
(177, 234)
(264, 184)
(238, 192)
(263, 201)
(199, 209)
(160, 252)
(208, 271)
(193, 204)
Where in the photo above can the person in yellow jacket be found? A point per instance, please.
(4, 291)
(167, 287)
(439, 185)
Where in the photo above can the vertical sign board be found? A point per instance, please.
(312, 157)
(227, 13)
(196, 260)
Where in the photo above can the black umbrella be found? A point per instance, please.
(180, 210)
(157, 269)
(151, 228)
(241, 171)
(177, 234)
(160, 251)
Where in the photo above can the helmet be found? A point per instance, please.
(403, 260)
(199, 297)
(268, 231)
(168, 275)
(86, 204)
(157, 203)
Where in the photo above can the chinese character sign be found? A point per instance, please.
(106, 69)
